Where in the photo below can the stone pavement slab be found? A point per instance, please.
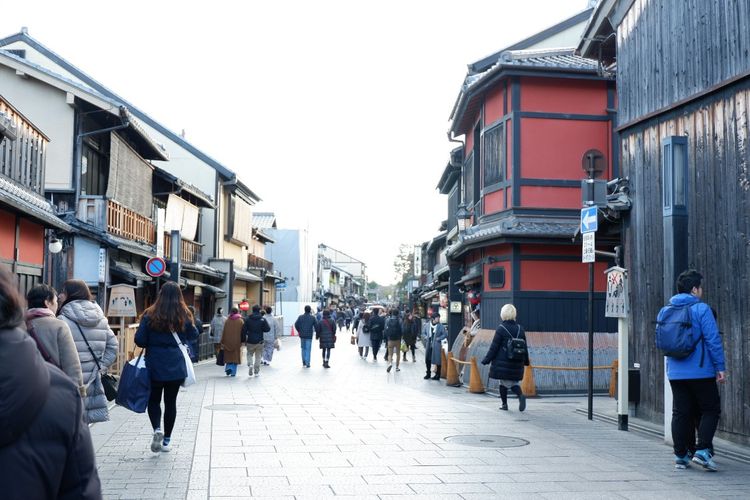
(356, 431)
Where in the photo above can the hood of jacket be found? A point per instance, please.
(235, 316)
(255, 317)
(24, 382)
(684, 299)
(83, 312)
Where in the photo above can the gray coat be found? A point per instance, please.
(55, 337)
(275, 330)
(433, 343)
(217, 328)
(89, 316)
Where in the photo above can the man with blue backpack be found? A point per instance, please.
(687, 334)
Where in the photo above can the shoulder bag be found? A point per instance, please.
(190, 379)
(109, 381)
(47, 357)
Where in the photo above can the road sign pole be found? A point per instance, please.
(591, 343)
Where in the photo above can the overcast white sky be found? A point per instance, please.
(334, 112)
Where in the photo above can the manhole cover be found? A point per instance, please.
(233, 407)
(488, 441)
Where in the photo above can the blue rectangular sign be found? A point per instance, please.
(281, 285)
(588, 220)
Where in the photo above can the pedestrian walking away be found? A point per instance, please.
(231, 342)
(45, 446)
(692, 373)
(377, 327)
(394, 334)
(194, 343)
(411, 328)
(508, 354)
(306, 326)
(271, 337)
(216, 328)
(363, 335)
(52, 336)
(166, 363)
(252, 334)
(326, 335)
(433, 335)
(95, 342)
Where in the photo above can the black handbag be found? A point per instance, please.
(220, 358)
(109, 381)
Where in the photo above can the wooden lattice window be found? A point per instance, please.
(493, 154)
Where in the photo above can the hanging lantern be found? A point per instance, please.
(474, 297)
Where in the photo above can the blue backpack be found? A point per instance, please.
(675, 337)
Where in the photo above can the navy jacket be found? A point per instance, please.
(252, 330)
(306, 326)
(163, 356)
(503, 368)
(393, 331)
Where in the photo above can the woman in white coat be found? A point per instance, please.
(363, 336)
(92, 337)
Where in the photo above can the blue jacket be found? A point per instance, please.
(305, 326)
(163, 356)
(710, 347)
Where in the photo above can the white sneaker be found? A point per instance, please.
(156, 441)
(166, 447)
(257, 374)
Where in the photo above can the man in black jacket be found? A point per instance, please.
(306, 325)
(39, 405)
(377, 327)
(252, 335)
(393, 334)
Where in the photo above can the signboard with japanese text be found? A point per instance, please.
(617, 292)
(122, 301)
(589, 248)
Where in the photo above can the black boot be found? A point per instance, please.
(437, 373)
(504, 397)
(427, 376)
(521, 398)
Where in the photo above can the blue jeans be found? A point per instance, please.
(231, 369)
(306, 345)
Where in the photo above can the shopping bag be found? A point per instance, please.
(353, 340)
(220, 358)
(190, 379)
(404, 347)
(134, 387)
(109, 382)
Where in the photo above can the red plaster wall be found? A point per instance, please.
(31, 243)
(564, 96)
(493, 105)
(550, 197)
(7, 234)
(552, 149)
(566, 276)
(550, 250)
(494, 202)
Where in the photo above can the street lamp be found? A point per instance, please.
(462, 218)
(55, 245)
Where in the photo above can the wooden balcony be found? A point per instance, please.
(191, 251)
(255, 262)
(123, 222)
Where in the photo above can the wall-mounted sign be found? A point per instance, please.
(244, 305)
(455, 306)
(102, 265)
(122, 301)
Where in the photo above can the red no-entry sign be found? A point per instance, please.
(155, 266)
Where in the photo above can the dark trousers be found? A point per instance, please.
(690, 398)
(170, 390)
(375, 349)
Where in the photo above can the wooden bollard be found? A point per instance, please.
(475, 379)
(452, 373)
(443, 364)
(528, 386)
(613, 379)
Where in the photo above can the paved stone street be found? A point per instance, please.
(355, 431)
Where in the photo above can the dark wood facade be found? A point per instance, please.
(683, 71)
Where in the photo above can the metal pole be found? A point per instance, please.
(623, 368)
(591, 342)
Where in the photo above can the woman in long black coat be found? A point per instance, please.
(326, 334)
(508, 371)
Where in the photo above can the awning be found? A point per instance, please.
(219, 292)
(430, 295)
(469, 278)
(203, 269)
(441, 271)
(127, 270)
(246, 276)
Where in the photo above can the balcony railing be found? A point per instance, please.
(191, 251)
(255, 262)
(121, 221)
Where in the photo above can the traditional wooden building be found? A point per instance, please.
(27, 220)
(527, 114)
(683, 88)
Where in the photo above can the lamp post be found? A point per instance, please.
(463, 216)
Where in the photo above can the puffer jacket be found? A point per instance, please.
(306, 325)
(45, 447)
(503, 368)
(326, 332)
(89, 317)
(57, 341)
(254, 328)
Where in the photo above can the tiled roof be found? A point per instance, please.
(264, 220)
(30, 203)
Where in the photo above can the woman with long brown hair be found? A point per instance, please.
(165, 361)
(95, 342)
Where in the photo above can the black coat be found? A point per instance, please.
(326, 333)
(503, 368)
(45, 447)
(377, 328)
(393, 331)
(411, 330)
(253, 329)
(306, 325)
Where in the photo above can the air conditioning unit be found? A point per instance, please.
(8, 129)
